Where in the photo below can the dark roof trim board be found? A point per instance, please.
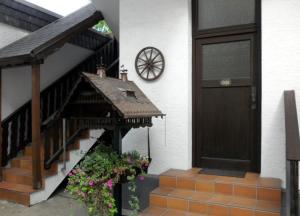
(41, 43)
(30, 17)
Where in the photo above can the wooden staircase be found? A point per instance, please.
(17, 177)
(188, 193)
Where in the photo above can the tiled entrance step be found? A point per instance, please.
(188, 193)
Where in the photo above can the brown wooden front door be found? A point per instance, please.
(225, 102)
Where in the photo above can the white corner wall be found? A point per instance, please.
(16, 82)
(280, 71)
(165, 25)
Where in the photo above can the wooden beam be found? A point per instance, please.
(117, 146)
(1, 148)
(36, 128)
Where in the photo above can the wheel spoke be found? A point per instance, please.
(156, 67)
(143, 70)
(148, 74)
(151, 53)
(142, 59)
(146, 55)
(142, 65)
(154, 62)
(153, 73)
(155, 57)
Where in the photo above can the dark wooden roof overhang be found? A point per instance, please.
(35, 47)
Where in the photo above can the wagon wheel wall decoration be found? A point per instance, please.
(150, 63)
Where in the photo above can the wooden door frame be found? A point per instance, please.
(196, 86)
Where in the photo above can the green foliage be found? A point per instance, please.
(102, 27)
(93, 180)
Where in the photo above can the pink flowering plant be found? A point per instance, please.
(92, 182)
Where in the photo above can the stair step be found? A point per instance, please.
(85, 134)
(207, 203)
(28, 152)
(252, 186)
(16, 187)
(186, 192)
(15, 193)
(24, 176)
(18, 176)
(25, 162)
(75, 145)
(155, 211)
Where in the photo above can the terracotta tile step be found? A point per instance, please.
(252, 186)
(155, 211)
(211, 203)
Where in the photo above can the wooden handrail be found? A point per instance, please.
(292, 154)
(291, 126)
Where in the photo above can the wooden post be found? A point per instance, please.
(117, 146)
(1, 147)
(292, 188)
(36, 128)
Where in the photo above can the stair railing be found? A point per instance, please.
(58, 136)
(292, 154)
(17, 127)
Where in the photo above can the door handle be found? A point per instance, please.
(253, 97)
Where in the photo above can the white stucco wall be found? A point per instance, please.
(9, 34)
(16, 82)
(165, 25)
(280, 71)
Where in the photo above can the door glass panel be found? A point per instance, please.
(222, 13)
(227, 60)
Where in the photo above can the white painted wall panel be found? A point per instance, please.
(280, 71)
(165, 25)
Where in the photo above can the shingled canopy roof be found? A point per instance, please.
(125, 96)
(41, 43)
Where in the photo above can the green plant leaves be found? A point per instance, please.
(91, 182)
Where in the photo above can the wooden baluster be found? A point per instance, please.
(36, 128)
(55, 136)
(47, 145)
(28, 125)
(22, 130)
(42, 109)
(14, 147)
(1, 136)
(55, 100)
(62, 94)
(48, 105)
(5, 144)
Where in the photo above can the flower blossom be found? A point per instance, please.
(91, 183)
(110, 184)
